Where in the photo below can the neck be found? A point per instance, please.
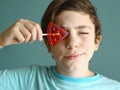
(78, 73)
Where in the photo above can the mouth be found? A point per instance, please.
(73, 56)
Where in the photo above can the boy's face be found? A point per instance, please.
(75, 51)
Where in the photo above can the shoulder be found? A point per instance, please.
(39, 68)
(25, 76)
(27, 70)
(34, 69)
(110, 82)
(24, 72)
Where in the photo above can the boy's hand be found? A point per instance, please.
(20, 32)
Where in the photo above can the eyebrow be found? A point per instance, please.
(77, 27)
(82, 27)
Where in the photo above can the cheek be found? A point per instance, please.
(89, 43)
(57, 52)
(89, 47)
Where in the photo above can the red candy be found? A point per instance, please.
(58, 34)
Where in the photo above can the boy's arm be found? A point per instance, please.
(21, 31)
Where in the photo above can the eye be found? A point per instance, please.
(84, 33)
(83, 30)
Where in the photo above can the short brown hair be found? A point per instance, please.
(56, 7)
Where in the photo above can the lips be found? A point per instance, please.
(73, 56)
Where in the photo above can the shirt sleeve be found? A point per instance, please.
(17, 79)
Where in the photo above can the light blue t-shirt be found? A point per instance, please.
(47, 78)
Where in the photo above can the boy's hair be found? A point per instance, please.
(56, 7)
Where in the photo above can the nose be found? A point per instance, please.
(72, 41)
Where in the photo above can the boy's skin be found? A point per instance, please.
(21, 31)
(73, 53)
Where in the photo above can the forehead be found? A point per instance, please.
(73, 18)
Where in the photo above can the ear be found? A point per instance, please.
(97, 42)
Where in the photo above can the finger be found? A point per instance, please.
(31, 28)
(18, 36)
(25, 33)
(39, 32)
(38, 29)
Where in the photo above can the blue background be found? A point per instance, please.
(106, 61)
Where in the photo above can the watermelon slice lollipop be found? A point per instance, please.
(55, 33)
